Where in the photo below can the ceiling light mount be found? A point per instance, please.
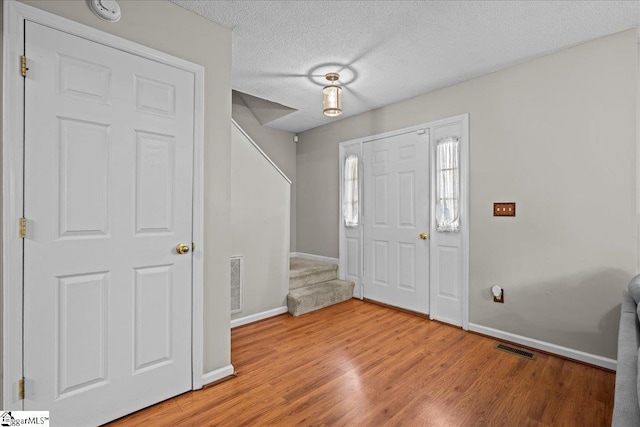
(332, 96)
(332, 77)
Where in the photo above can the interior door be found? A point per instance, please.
(108, 196)
(396, 214)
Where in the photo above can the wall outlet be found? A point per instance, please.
(498, 294)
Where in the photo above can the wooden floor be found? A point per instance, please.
(358, 363)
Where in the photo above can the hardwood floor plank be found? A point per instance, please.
(361, 364)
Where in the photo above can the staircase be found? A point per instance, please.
(314, 285)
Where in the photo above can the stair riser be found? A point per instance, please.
(313, 278)
(308, 303)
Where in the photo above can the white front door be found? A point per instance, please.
(108, 196)
(396, 212)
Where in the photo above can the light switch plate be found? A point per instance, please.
(504, 209)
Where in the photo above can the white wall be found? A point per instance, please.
(169, 28)
(556, 135)
(259, 226)
(279, 146)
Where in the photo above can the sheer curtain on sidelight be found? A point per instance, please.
(448, 184)
(350, 191)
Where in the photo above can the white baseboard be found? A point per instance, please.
(312, 257)
(569, 353)
(217, 374)
(258, 316)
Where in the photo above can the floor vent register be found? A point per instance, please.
(517, 351)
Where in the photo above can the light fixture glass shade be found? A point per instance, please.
(332, 101)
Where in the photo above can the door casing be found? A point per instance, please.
(15, 14)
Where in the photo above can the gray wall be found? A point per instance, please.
(205, 43)
(556, 135)
(279, 146)
(260, 209)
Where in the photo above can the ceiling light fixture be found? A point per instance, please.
(332, 97)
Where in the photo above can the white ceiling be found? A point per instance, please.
(387, 51)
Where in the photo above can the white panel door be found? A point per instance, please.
(108, 196)
(396, 212)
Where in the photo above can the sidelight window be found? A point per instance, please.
(448, 184)
(350, 191)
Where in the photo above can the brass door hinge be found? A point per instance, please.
(21, 389)
(23, 65)
(23, 227)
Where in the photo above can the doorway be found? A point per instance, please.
(396, 251)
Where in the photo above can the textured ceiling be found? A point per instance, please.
(387, 51)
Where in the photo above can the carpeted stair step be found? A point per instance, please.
(304, 272)
(317, 296)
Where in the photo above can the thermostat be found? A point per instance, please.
(107, 10)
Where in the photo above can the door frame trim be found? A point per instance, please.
(15, 13)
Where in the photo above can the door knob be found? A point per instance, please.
(182, 248)
(424, 236)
